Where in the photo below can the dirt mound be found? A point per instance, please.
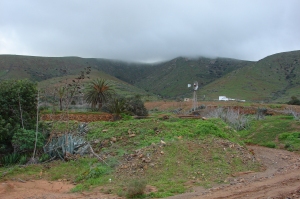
(136, 164)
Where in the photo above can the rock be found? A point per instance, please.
(97, 141)
(162, 142)
(113, 139)
(161, 152)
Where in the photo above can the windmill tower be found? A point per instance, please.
(195, 88)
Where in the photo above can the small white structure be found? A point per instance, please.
(186, 99)
(223, 98)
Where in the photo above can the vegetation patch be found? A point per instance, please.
(291, 141)
(274, 132)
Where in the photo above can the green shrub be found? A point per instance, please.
(23, 159)
(98, 171)
(120, 105)
(136, 106)
(10, 159)
(289, 136)
(291, 140)
(94, 172)
(16, 94)
(126, 116)
(269, 144)
(210, 129)
(136, 188)
(44, 157)
(23, 140)
(294, 101)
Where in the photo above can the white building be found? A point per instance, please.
(223, 98)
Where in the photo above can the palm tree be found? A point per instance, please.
(98, 92)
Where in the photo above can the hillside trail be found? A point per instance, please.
(280, 179)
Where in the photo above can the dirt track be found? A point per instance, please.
(281, 179)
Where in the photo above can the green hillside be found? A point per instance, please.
(274, 78)
(170, 79)
(52, 72)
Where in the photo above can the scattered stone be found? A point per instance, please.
(162, 142)
(97, 141)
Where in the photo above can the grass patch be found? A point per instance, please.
(291, 141)
(273, 132)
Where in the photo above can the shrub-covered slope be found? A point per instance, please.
(274, 78)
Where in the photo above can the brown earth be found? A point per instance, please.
(78, 117)
(210, 105)
(281, 179)
(42, 189)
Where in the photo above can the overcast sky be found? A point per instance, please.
(149, 30)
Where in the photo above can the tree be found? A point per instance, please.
(136, 106)
(98, 92)
(17, 108)
(294, 101)
(61, 92)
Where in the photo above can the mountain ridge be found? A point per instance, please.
(273, 78)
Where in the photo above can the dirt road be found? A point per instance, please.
(281, 179)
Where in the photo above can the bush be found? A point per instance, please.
(10, 159)
(98, 171)
(260, 113)
(270, 144)
(23, 140)
(120, 105)
(44, 157)
(115, 106)
(23, 159)
(231, 117)
(294, 101)
(136, 106)
(210, 129)
(136, 188)
(94, 172)
(16, 95)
